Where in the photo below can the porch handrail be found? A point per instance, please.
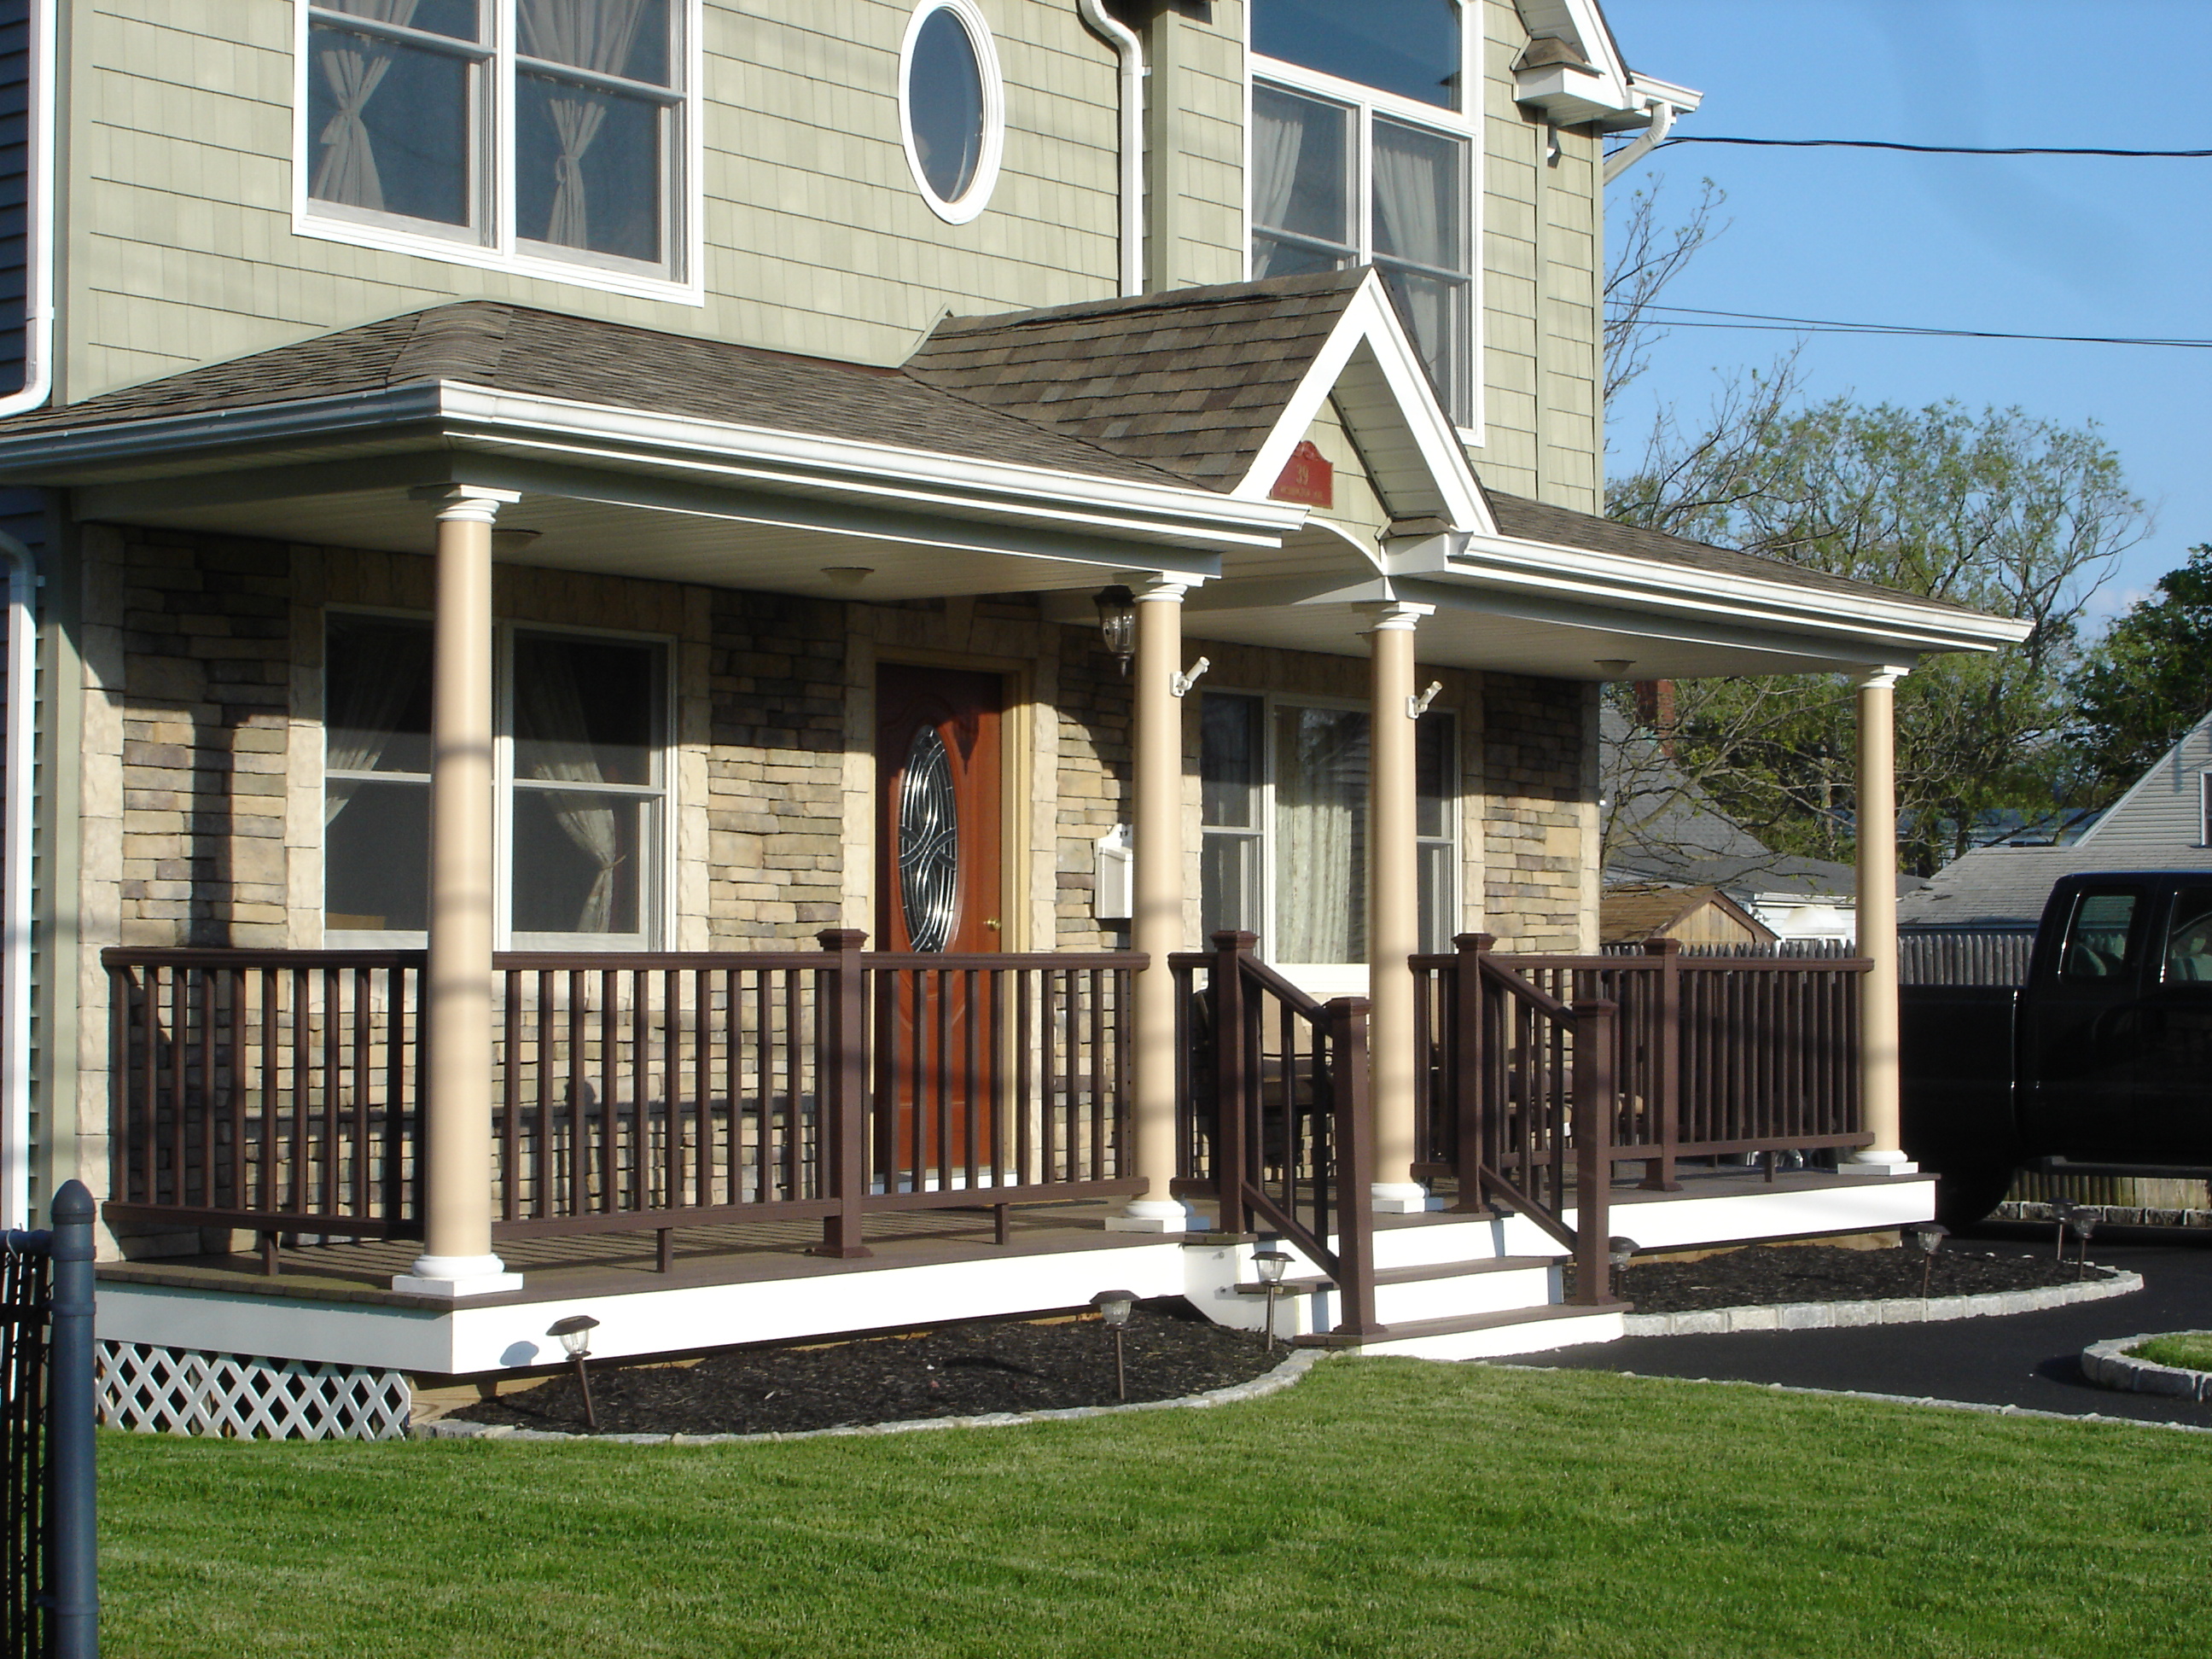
(280, 1090)
(1322, 1157)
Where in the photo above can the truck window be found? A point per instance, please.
(2189, 941)
(2097, 943)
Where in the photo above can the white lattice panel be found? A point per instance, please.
(154, 1390)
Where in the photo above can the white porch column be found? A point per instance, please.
(1394, 913)
(1155, 923)
(454, 1154)
(1877, 926)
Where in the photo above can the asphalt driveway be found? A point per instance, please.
(2030, 1360)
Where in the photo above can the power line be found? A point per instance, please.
(1931, 149)
(1685, 316)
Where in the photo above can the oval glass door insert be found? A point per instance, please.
(929, 843)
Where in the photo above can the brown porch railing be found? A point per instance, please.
(1273, 1120)
(1709, 1055)
(280, 1092)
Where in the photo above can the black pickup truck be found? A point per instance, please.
(2100, 1064)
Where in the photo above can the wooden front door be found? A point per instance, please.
(939, 893)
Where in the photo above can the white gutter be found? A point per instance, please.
(1131, 51)
(1663, 123)
(15, 890)
(38, 222)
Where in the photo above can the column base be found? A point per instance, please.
(456, 1276)
(1877, 1162)
(1398, 1198)
(1151, 1215)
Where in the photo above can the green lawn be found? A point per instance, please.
(1379, 1508)
(2190, 1350)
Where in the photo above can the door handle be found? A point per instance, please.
(992, 924)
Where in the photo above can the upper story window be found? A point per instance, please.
(1363, 153)
(951, 107)
(557, 135)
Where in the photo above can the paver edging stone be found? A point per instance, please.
(1299, 1363)
(2110, 1365)
(1897, 1310)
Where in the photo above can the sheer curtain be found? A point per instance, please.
(347, 174)
(549, 715)
(383, 669)
(1416, 185)
(593, 34)
(1320, 836)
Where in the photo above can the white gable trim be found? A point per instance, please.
(1369, 325)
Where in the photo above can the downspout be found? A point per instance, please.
(38, 221)
(1131, 51)
(1663, 123)
(23, 644)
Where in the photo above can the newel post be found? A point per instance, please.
(842, 1085)
(1594, 1108)
(1470, 1054)
(1666, 1087)
(1354, 1131)
(1231, 1123)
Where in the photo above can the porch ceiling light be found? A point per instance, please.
(1615, 667)
(849, 575)
(512, 543)
(1117, 622)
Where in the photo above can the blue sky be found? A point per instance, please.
(2032, 245)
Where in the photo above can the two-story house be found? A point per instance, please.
(529, 512)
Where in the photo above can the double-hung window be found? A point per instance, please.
(582, 781)
(554, 135)
(1362, 152)
(1283, 816)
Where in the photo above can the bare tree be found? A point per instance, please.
(1645, 257)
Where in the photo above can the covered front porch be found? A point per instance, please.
(777, 543)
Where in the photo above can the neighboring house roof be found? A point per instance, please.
(1626, 915)
(2157, 826)
(548, 354)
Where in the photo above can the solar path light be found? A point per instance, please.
(1269, 1265)
(2083, 1222)
(1930, 1236)
(1115, 1308)
(575, 1334)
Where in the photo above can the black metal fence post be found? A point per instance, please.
(74, 1631)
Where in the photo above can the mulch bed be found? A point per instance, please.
(1766, 1274)
(1012, 1365)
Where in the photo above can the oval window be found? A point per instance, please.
(951, 107)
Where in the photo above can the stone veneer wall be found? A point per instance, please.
(1539, 814)
(217, 693)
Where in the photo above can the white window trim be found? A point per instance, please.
(1329, 974)
(684, 284)
(1466, 124)
(2204, 808)
(970, 205)
(658, 903)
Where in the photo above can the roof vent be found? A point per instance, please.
(1546, 50)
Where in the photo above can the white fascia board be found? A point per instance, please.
(1609, 578)
(1370, 319)
(917, 477)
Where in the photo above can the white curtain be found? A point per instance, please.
(1278, 138)
(347, 174)
(384, 668)
(549, 715)
(593, 34)
(1321, 852)
(1414, 179)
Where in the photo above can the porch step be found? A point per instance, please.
(1494, 1335)
(1443, 1290)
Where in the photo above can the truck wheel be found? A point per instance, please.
(1964, 1196)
